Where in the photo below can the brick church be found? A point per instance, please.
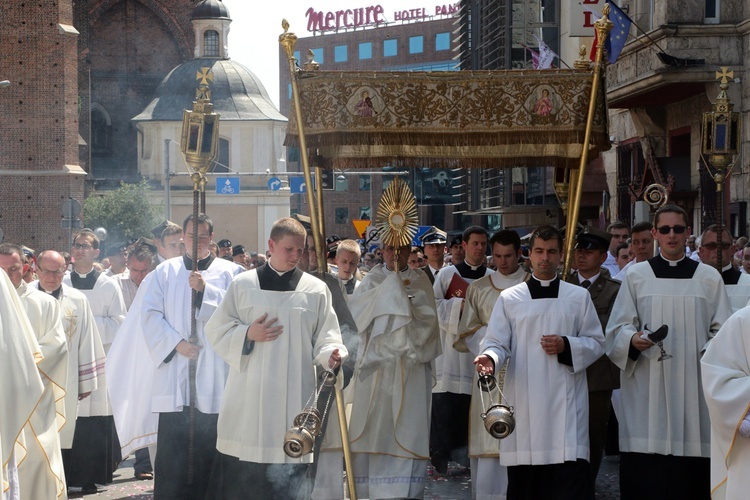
(78, 71)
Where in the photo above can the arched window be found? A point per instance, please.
(101, 131)
(211, 43)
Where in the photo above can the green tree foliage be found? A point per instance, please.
(124, 212)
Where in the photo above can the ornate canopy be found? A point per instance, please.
(448, 119)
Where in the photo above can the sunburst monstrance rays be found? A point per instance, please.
(397, 215)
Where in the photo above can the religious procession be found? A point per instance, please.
(311, 366)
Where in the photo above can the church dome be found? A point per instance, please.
(210, 9)
(236, 93)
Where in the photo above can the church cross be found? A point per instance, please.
(204, 76)
(724, 74)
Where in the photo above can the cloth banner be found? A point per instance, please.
(448, 119)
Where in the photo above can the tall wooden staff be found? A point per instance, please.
(603, 26)
(287, 41)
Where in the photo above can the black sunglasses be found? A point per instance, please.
(713, 246)
(667, 229)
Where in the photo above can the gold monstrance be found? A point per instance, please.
(397, 216)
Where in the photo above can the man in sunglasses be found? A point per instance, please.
(664, 422)
(737, 283)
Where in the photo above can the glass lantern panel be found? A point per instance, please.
(720, 137)
(208, 137)
(195, 130)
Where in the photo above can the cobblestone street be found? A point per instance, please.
(456, 485)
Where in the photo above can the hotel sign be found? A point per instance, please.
(583, 13)
(373, 15)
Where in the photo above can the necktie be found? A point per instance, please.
(350, 286)
(585, 283)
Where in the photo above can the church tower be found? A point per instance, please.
(39, 166)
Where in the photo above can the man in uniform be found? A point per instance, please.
(225, 249)
(663, 419)
(454, 371)
(549, 330)
(737, 284)
(489, 479)
(433, 241)
(41, 472)
(602, 376)
(273, 328)
(86, 356)
(399, 337)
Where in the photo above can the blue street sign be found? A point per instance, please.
(274, 184)
(227, 185)
(415, 242)
(297, 185)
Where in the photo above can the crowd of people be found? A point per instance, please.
(199, 364)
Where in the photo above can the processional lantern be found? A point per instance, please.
(720, 145)
(200, 130)
(199, 144)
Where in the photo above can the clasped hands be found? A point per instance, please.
(552, 345)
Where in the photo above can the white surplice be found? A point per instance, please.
(108, 308)
(454, 370)
(662, 408)
(41, 472)
(550, 398)
(271, 385)
(21, 384)
(739, 294)
(489, 479)
(389, 423)
(86, 356)
(726, 384)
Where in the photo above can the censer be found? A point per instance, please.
(299, 440)
(499, 419)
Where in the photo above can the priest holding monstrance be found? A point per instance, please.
(399, 337)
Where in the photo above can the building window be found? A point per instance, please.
(341, 184)
(442, 41)
(340, 53)
(533, 20)
(364, 183)
(390, 48)
(211, 43)
(365, 213)
(289, 91)
(712, 12)
(318, 55)
(416, 44)
(297, 55)
(365, 50)
(222, 160)
(342, 215)
(101, 132)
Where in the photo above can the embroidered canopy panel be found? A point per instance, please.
(448, 119)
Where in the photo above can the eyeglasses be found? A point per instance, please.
(47, 272)
(82, 246)
(713, 245)
(667, 229)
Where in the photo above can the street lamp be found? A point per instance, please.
(200, 142)
(720, 143)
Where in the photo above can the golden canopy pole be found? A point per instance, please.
(603, 26)
(287, 41)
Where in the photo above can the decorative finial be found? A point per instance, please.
(311, 63)
(204, 77)
(582, 62)
(724, 75)
(285, 25)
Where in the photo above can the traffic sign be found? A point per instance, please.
(71, 208)
(297, 185)
(274, 184)
(227, 185)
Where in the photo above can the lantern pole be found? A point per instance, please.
(199, 145)
(721, 132)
